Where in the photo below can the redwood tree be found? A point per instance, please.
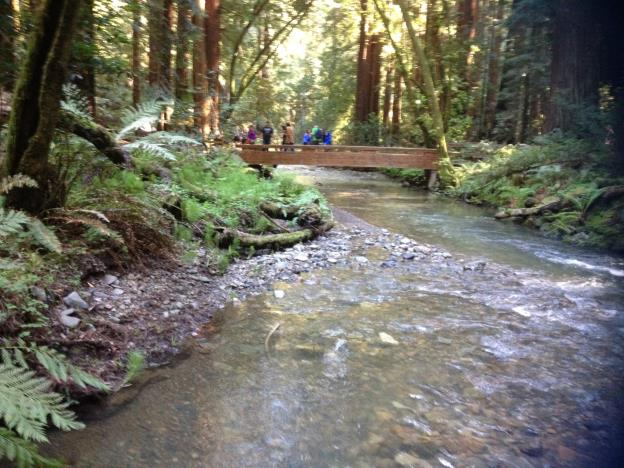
(36, 103)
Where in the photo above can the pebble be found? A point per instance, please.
(361, 259)
(110, 279)
(279, 294)
(409, 256)
(118, 292)
(405, 459)
(66, 318)
(302, 257)
(74, 300)
(388, 339)
(39, 293)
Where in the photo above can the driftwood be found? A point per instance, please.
(97, 135)
(277, 211)
(271, 241)
(267, 340)
(552, 204)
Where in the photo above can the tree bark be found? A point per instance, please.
(82, 61)
(200, 81)
(136, 52)
(8, 38)
(387, 101)
(362, 77)
(36, 103)
(212, 28)
(182, 49)
(396, 104)
(160, 43)
(447, 174)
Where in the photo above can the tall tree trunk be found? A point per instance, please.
(8, 39)
(136, 52)
(575, 69)
(494, 72)
(182, 49)
(362, 76)
(374, 72)
(467, 16)
(160, 23)
(447, 174)
(83, 56)
(36, 103)
(212, 26)
(200, 82)
(396, 104)
(387, 101)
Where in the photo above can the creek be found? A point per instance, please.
(483, 345)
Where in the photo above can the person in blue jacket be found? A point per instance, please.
(307, 137)
(328, 138)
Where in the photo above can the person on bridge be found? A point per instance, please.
(251, 135)
(267, 134)
(328, 138)
(317, 135)
(307, 137)
(289, 135)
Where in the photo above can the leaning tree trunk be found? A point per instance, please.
(36, 102)
(447, 174)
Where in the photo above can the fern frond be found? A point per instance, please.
(171, 139)
(145, 114)
(12, 222)
(22, 452)
(155, 149)
(16, 181)
(136, 364)
(62, 370)
(26, 403)
(44, 236)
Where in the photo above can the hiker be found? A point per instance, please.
(267, 134)
(307, 137)
(328, 138)
(317, 135)
(289, 135)
(251, 135)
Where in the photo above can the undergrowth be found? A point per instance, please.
(575, 174)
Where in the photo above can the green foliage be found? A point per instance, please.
(570, 170)
(134, 366)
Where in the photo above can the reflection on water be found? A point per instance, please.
(484, 368)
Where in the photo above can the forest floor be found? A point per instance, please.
(155, 310)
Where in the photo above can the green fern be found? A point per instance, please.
(145, 114)
(15, 181)
(44, 236)
(26, 403)
(12, 222)
(22, 452)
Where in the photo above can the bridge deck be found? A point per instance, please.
(340, 156)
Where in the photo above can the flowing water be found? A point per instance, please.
(516, 362)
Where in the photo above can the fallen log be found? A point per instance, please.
(277, 211)
(95, 134)
(550, 204)
(271, 241)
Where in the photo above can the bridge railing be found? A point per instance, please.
(340, 156)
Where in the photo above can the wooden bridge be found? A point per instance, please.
(340, 156)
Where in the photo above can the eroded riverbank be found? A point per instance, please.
(402, 353)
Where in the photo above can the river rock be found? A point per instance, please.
(360, 259)
(74, 300)
(118, 292)
(533, 449)
(408, 256)
(39, 293)
(387, 339)
(66, 318)
(110, 279)
(279, 294)
(405, 459)
(302, 257)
